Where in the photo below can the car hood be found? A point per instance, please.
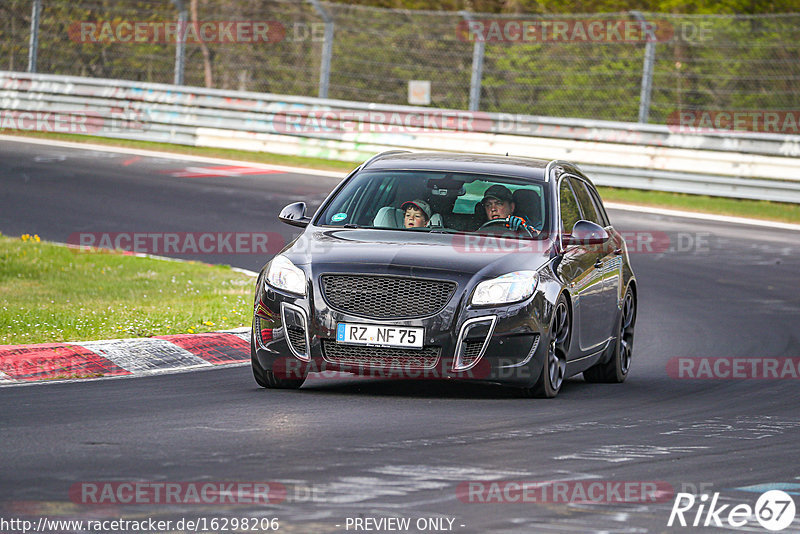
(407, 250)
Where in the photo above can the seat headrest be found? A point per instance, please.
(480, 213)
(528, 203)
(388, 217)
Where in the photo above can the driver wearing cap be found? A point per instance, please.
(499, 204)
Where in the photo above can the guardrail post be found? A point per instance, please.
(33, 46)
(647, 69)
(327, 49)
(478, 51)
(180, 44)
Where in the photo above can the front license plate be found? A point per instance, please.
(380, 336)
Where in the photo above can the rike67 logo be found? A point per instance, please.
(774, 510)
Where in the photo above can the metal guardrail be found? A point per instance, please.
(746, 165)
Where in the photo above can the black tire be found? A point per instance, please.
(267, 379)
(555, 365)
(616, 369)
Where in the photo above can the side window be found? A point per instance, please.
(570, 214)
(585, 200)
(344, 204)
(599, 205)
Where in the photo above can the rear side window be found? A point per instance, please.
(585, 200)
(570, 214)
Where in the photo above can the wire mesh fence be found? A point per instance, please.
(582, 66)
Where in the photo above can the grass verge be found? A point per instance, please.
(52, 293)
(775, 211)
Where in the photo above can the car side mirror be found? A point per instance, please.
(588, 233)
(295, 215)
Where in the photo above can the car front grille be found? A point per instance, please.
(386, 297)
(297, 338)
(384, 357)
(472, 349)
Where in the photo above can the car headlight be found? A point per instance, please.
(284, 275)
(511, 287)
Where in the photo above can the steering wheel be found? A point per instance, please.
(496, 222)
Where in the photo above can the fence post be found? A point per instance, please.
(327, 48)
(647, 69)
(33, 46)
(478, 51)
(180, 44)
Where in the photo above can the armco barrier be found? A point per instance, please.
(741, 165)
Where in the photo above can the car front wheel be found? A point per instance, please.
(555, 364)
(267, 379)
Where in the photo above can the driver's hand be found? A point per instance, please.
(515, 222)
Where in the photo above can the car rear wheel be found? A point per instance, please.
(616, 369)
(555, 364)
(267, 379)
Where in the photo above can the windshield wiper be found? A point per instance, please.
(430, 230)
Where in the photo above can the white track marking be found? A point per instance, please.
(702, 216)
(170, 155)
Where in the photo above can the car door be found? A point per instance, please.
(609, 264)
(579, 269)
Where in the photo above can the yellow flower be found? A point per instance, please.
(224, 318)
(36, 238)
(25, 237)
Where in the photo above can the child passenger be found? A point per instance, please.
(417, 213)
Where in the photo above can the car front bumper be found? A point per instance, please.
(506, 344)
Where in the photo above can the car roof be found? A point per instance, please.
(516, 166)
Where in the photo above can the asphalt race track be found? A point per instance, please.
(369, 448)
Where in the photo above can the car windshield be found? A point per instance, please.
(434, 201)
